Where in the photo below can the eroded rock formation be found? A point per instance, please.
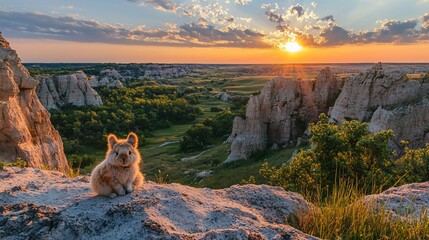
(57, 91)
(62, 208)
(107, 78)
(26, 131)
(282, 112)
(386, 101)
(285, 106)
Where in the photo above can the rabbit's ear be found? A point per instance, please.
(133, 139)
(111, 141)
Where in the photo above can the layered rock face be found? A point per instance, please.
(26, 131)
(48, 205)
(107, 78)
(281, 112)
(57, 91)
(386, 101)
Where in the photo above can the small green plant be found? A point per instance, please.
(250, 180)
(161, 179)
(19, 163)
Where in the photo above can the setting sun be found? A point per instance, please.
(291, 47)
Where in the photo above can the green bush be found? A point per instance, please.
(196, 137)
(347, 152)
(82, 161)
(414, 164)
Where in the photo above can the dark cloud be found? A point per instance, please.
(328, 18)
(392, 31)
(275, 17)
(335, 35)
(298, 10)
(32, 25)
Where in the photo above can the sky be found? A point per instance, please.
(214, 31)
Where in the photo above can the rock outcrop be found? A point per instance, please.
(48, 205)
(282, 112)
(26, 131)
(386, 101)
(108, 78)
(410, 200)
(57, 91)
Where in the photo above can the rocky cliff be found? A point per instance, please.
(26, 131)
(387, 100)
(282, 112)
(41, 204)
(107, 78)
(57, 91)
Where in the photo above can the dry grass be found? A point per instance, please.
(344, 215)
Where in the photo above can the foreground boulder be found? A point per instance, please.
(26, 131)
(57, 91)
(406, 201)
(49, 205)
(281, 113)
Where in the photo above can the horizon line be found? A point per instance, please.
(175, 63)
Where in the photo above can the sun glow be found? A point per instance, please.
(291, 47)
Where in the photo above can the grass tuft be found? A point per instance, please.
(344, 214)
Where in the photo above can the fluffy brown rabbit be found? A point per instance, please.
(119, 173)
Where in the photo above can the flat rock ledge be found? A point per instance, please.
(38, 204)
(405, 202)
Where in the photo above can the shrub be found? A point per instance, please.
(348, 152)
(82, 161)
(196, 137)
(414, 164)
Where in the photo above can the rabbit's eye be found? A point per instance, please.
(129, 152)
(116, 153)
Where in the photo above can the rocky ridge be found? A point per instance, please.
(57, 91)
(26, 131)
(107, 78)
(281, 112)
(48, 205)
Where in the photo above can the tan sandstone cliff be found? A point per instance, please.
(282, 112)
(26, 131)
(387, 100)
(57, 91)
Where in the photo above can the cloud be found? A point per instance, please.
(328, 18)
(300, 23)
(335, 35)
(425, 24)
(297, 9)
(162, 5)
(242, 2)
(36, 25)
